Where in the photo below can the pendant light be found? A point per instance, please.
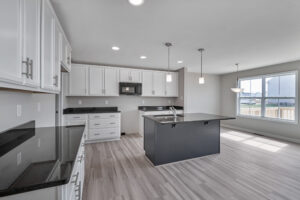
(201, 78)
(169, 75)
(237, 89)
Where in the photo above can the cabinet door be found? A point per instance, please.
(147, 86)
(96, 81)
(57, 54)
(78, 80)
(135, 76)
(31, 40)
(48, 23)
(111, 81)
(159, 83)
(124, 75)
(172, 87)
(10, 41)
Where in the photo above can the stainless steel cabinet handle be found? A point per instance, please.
(76, 117)
(30, 72)
(97, 134)
(55, 80)
(26, 62)
(96, 124)
(112, 123)
(112, 132)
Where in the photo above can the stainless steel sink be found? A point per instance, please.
(167, 118)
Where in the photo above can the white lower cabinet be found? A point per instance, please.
(101, 127)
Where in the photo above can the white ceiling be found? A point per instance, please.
(254, 33)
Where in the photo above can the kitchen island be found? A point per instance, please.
(170, 139)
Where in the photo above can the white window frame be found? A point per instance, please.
(263, 98)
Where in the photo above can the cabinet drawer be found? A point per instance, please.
(104, 123)
(104, 133)
(76, 117)
(75, 122)
(104, 116)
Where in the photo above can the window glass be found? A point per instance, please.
(245, 85)
(256, 87)
(287, 109)
(250, 107)
(272, 86)
(287, 86)
(271, 108)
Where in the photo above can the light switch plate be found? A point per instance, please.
(19, 110)
(106, 102)
(39, 142)
(79, 101)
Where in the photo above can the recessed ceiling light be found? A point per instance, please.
(115, 48)
(143, 57)
(179, 61)
(136, 2)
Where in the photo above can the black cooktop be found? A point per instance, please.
(34, 158)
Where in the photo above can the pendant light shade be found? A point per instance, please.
(168, 75)
(201, 78)
(237, 89)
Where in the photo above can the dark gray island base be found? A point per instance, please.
(169, 139)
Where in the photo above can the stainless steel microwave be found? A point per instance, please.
(130, 88)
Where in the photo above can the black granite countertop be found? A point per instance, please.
(47, 157)
(158, 108)
(86, 110)
(189, 117)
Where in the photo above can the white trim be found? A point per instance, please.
(261, 133)
(263, 98)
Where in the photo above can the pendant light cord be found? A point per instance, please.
(201, 51)
(169, 58)
(237, 72)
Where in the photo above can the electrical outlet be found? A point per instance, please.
(169, 101)
(19, 110)
(19, 158)
(79, 101)
(39, 142)
(39, 106)
(106, 102)
(143, 102)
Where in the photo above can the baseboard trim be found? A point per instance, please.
(262, 133)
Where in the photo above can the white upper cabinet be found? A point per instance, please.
(154, 84)
(111, 82)
(31, 46)
(31, 42)
(66, 55)
(78, 80)
(57, 58)
(172, 87)
(159, 83)
(130, 75)
(47, 58)
(10, 40)
(96, 81)
(147, 85)
(19, 49)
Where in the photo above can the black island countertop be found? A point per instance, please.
(188, 117)
(87, 110)
(35, 158)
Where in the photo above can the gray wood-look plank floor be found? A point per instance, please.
(248, 167)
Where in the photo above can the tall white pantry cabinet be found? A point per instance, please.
(33, 46)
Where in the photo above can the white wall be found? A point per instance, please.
(180, 100)
(202, 98)
(275, 129)
(29, 102)
(128, 105)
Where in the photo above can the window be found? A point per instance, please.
(269, 96)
